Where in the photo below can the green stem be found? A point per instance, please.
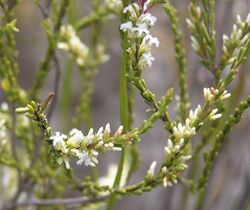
(210, 156)
(199, 200)
(67, 92)
(68, 73)
(72, 14)
(124, 119)
(180, 58)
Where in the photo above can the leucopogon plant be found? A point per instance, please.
(35, 159)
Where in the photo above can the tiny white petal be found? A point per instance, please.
(151, 170)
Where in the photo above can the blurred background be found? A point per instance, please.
(229, 186)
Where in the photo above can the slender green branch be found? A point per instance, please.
(50, 53)
(180, 58)
(212, 154)
(124, 120)
(124, 114)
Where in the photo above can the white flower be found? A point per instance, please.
(58, 142)
(119, 131)
(72, 44)
(132, 9)
(225, 38)
(141, 30)
(166, 182)
(78, 48)
(66, 163)
(177, 148)
(128, 26)
(181, 142)
(213, 115)
(107, 130)
(210, 93)
(170, 144)
(151, 170)
(146, 60)
(76, 137)
(225, 95)
(164, 169)
(182, 131)
(84, 157)
(63, 46)
(169, 148)
(148, 41)
(184, 166)
(189, 23)
(89, 138)
(146, 19)
(190, 131)
(194, 115)
(99, 133)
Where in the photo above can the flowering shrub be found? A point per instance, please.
(36, 160)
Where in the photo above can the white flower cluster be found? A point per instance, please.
(183, 132)
(71, 43)
(187, 130)
(85, 148)
(196, 18)
(243, 23)
(238, 30)
(167, 181)
(239, 36)
(210, 94)
(194, 115)
(172, 149)
(140, 39)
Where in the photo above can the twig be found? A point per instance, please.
(44, 10)
(50, 53)
(58, 201)
(56, 85)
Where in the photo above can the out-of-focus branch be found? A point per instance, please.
(58, 201)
